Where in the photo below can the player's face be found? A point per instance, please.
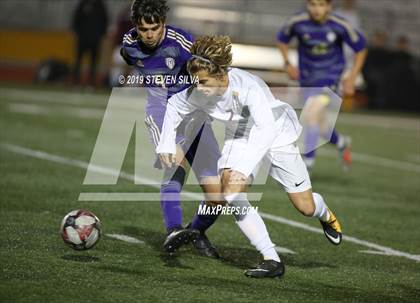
(150, 33)
(319, 9)
(210, 85)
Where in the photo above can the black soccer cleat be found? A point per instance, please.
(204, 247)
(178, 237)
(267, 269)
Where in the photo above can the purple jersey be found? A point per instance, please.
(320, 47)
(167, 61)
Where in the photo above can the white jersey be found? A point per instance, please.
(249, 111)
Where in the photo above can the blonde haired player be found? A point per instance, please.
(257, 126)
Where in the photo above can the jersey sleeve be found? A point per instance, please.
(184, 41)
(285, 34)
(129, 48)
(351, 36)
(188, 40)
(262, 133)
(177, 108)
(357, 44)
(287, 31)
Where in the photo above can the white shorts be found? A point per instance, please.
(287, 166)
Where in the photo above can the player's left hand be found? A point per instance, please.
(237, 177)
(167, 159)
(349, 86)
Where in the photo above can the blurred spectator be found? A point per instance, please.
(401, 90)
(390, 75)
(348, 11)
(90, 21)
(118, 65)
(375, 69)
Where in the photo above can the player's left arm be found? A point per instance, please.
(357, 42)
(176, 110)
(261, 137)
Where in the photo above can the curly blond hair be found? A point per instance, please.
(212, 54)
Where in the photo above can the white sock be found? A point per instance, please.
(321, 209)
(309, 162)
(253, 227)
(341, 143)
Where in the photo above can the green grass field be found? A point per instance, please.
(377, 203)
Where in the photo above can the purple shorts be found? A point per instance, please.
(202, 153)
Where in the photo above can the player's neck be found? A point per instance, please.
(321, 21)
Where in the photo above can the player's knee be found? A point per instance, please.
(225, 178)
(304, 205)
(307, 211)
(227, 190)
(307, 208)
(231, 189)
(174, 178)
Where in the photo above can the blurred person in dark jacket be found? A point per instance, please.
(376, 67)
(401, 85)
(118, 65)
(90, 21)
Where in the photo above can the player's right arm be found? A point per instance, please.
(356, 40)
(284, 36)
(292, 71)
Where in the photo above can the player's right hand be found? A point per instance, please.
(292, 71)
(167, 159)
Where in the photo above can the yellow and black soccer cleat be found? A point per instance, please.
(332, 229)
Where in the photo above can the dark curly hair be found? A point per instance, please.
(212, 54)
(152, 11)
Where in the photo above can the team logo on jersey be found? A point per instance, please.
(170, 62)
(139, 63)
(306, 37)
(331, 37)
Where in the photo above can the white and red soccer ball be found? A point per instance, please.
(80, 229)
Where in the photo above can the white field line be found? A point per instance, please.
(278, 219)
(92, 113)
(75, 133)
(78, 112)
(125, 238)
(374, 252)
(148, 197)
(284, 250)
(375, 160)
(77, 98)
(384, 249)
(405, 123)
(413, 157)
(45, 96)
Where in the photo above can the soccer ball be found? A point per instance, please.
(80, 229)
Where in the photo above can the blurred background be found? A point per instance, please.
(39, 42)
